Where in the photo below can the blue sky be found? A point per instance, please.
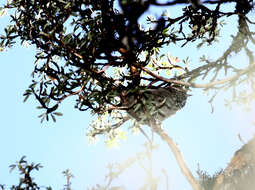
(204, 138)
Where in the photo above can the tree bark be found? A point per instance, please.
(240, 172)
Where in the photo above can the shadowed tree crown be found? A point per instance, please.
(103, 54)
(99, 52)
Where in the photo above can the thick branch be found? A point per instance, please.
(184, 168)
(206, 85)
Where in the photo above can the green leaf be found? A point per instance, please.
(33, 85)
(164, 32)
(53, 117)
(42, 118)
(58, 113)
(137, 107)
(67, 5)
(12, 167)
(3, 11)
(41, 115)
(38, 166)
(200, 45)
(22, 160)
(25, 99)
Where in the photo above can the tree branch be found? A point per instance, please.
(184, 168)
(194, 85)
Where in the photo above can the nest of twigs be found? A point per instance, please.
(153, 105)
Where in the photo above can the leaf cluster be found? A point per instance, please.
(81, 44)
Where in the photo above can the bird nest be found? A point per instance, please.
(153, 105)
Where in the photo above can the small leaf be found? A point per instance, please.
(42, 118)
(164, 32)
(12, 167)
(61, 1)
(37, 166)
(22, 160)
(41, 115)
(32, 85)
(58, 113)
(53, 117)
(137, 107)
(3, 11)
(67, 5)
(25, 99)
(200, 45)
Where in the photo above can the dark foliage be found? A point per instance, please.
(92, 50)
(81, 43)
(26, 180)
